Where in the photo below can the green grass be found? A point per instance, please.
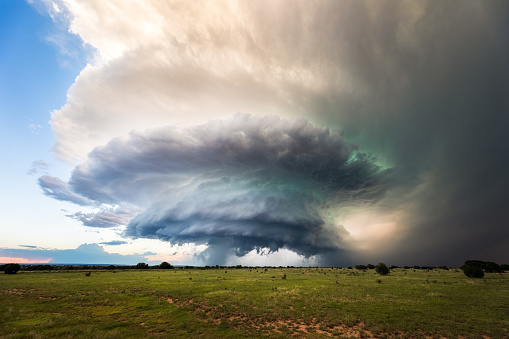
(310, 302)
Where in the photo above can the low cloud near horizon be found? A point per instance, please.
(367, 131)
(83, 254)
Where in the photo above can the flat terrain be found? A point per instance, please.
(310, 302)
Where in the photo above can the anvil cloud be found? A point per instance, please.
(417, 91)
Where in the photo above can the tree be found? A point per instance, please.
(12, 268)
(473, 269)
(141, 266)
(491, 267)
(382, 269)
(165, 266)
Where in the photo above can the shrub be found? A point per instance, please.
(165, 266)
(491, 267)
(487, 266)
(12, 268)
(141, 266)
(504, 267)
(371, 266)
(382, 269)
(473, 269)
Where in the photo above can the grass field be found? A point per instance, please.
(310, 302)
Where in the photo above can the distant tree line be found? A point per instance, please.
(471, 268)
(10, 268)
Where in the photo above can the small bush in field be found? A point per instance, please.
(473, 271)
(12, 268)
(165, 266)
(382, 269)
(141, 266)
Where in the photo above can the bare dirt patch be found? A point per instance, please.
(286, 326)
(18, 291)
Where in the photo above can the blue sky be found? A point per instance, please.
(330, 133)
(28, 66)
(36, 74)
(35, 78)
(33, 83)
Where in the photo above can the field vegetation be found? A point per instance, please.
(254, 302)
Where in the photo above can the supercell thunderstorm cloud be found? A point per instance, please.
(345, 130)
(245, 183)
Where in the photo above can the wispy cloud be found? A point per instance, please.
(38, 167)
(114, 243)
(34, 127)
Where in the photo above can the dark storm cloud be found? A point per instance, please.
(247, 182)
(441, 112)
(423, 86)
